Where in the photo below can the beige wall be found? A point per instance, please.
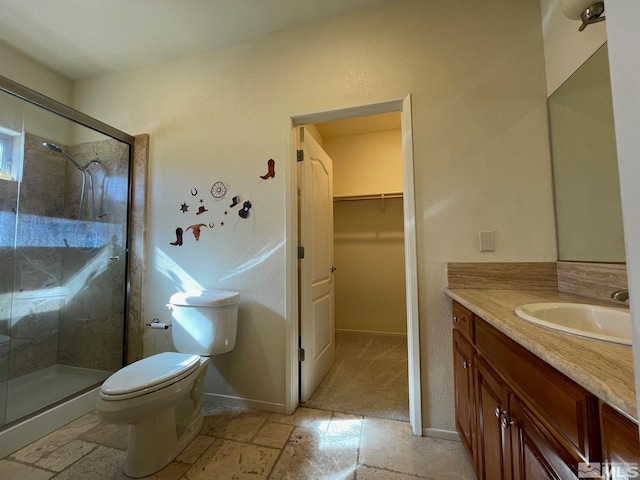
(477, 79)
(15, 113)
(370, 293)
(365, 164)
(31, 74)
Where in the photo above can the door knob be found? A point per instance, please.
(333, 269)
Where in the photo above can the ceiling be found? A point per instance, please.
(84, 38)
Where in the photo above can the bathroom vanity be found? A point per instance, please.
(533, 403)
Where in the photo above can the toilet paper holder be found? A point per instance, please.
(157, 325)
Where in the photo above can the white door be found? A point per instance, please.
(317, 326)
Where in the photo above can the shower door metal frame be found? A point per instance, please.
(35, 98)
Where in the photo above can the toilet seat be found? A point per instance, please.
(148, 375)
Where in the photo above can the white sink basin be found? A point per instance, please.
(602, 323)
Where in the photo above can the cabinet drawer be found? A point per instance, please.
(568, 408)
(463, 320)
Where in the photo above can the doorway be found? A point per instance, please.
(403, 109)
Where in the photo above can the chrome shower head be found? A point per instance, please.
(53, 147)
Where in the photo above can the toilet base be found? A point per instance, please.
(154, 442)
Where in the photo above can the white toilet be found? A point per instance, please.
(160, 397)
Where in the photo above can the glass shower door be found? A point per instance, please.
(68, 279)
(11, 139)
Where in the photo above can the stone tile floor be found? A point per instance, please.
(239, 443)
(369, 377)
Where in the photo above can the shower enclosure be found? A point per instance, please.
(64, 203)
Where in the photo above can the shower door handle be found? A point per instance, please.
(115, 258)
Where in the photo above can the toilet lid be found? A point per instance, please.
(149, 374)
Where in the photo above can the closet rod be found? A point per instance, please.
(376, 196)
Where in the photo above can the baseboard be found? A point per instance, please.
(443, 434)
(244, 403)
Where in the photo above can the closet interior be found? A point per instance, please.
(370, 373)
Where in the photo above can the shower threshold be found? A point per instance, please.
(34, 391)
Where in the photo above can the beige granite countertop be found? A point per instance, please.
(603, 368)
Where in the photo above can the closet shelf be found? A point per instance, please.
(373, 196)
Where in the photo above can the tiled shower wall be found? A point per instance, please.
(68, 300)
(92, 323)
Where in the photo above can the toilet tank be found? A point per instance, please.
(204, 321)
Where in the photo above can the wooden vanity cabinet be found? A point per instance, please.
(531, 421)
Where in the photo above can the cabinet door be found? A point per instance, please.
(464, 393)
(620, 444)
(536, 453)
(494, 456)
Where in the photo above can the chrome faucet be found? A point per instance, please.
(620, 295)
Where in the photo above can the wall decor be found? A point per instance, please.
(196, 230)
(218, 190)
(271, 165)
(244, 212)
(178, 241)
(210, 217)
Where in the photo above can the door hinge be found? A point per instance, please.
(301, 354)
(300, 252)
(300, 155)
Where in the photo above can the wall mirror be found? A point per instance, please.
(585, 166)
